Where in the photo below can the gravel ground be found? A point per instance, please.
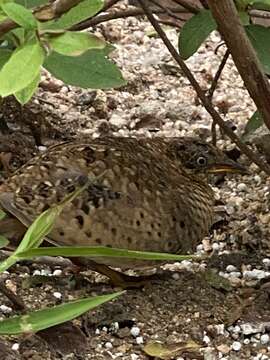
(221, 305)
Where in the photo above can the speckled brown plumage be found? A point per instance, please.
(146, 194)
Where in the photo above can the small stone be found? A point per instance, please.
(5, 309)
(206, 339)
(224, 348)
(15, 347)
(57, 272)
(231, 268)
(139, 340)
(175, 276)
(108, 345)
(246, 341)
(250, 328)
(135, 331)
(134, 357)
(266, 262)
(57, 295)
(265, 339)
(236, 346)
(215, 246)
(242, 187)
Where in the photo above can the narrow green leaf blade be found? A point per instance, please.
(75, 15)
(100, 251)
(253, 124)
(21, 69)
(73, 43)
(90, 70)
(260, 39)
(20, 15)
(24, 95)
(194, 32)
(43, 319)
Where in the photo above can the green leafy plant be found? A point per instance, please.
(77, 58)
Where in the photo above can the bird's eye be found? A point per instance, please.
(201, 161)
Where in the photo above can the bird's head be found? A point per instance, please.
(200, 157)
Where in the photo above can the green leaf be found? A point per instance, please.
(3, 241)
(20, 15)
(73, 43)
(24, 95)
(158, 350)
(253, 124)
(75, 15)
(194, 32)
(21, 69)
(31, 3)
(260, 39)
(260, 4)
(100, 251)
(45, 318)
(4, 56)
(90, 70)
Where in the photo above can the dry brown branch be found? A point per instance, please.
(243, 54)
(201, 95)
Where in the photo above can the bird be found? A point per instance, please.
(144, 194)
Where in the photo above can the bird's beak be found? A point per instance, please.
(228, 166)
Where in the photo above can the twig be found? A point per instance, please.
(243, 54)
(13, 298)
(117, 15)
(212, 89)
(187, 6)
(259, 14)
(205, 101)
(218, 74)
(166, 9)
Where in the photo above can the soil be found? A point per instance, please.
(208, 303)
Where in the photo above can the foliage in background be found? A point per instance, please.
(77, 58)
(201, 25)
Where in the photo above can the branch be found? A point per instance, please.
(186, 5)
(42, 13)
(200, 93)
(243, 54)
(117, 15)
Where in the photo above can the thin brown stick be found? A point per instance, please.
(218, 74)
(243, 54)
(117, 15)
(212, 89)
(166, 9)
(13, 298)
(205, 101)
(188, 6)
(259, 14)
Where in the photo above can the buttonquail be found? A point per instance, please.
(145, 194)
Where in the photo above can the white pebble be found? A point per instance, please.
(235, 274)
(139, 340)
(5, 309)
(57, 295)
(36, 272)
(266, 262)
(206, 339)
(135, 331)
(57, 272)
(255, 274)
(215, 246)
(42, 148)
(246, 341)
(265, 339)
(175, 276)
(97, 332)
(258, 179)
(236, 346)
(15, 347)
(242, 187)
(231, 268)
(134, 356)
(108, 345)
